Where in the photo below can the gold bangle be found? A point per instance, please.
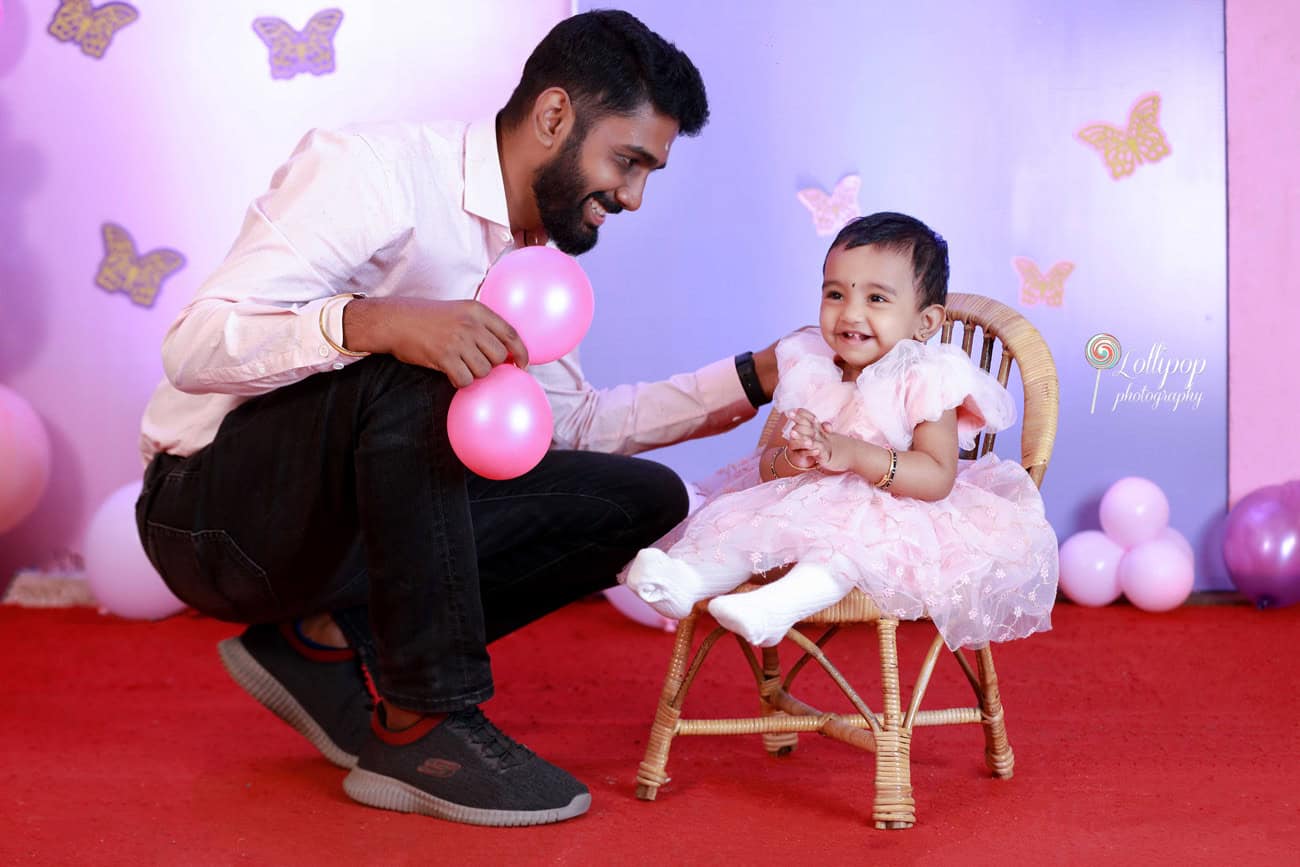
(888, 478)
(772, 467)
(324, 331)
(793, 465)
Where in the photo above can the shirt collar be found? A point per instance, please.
(485, 188)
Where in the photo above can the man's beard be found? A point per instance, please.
(561, 200)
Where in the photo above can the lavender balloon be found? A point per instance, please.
(1261, 545)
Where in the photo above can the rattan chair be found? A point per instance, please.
(888, 734)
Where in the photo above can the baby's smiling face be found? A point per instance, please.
(869, 303)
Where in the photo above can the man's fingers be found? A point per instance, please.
(492, 348)
(506, 333)
(477, 362)
(459, 374)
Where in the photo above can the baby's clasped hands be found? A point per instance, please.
(813, 444)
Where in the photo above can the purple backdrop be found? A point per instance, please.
(966, 116)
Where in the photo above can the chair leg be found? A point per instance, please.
(997, 750)
(776, 743)
(894, 807)
(652, 772)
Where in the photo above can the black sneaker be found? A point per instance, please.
(465, 769)
(322, 693)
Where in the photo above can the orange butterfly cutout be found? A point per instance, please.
(1123, 150)
(88, 26)
(139, 276)
(1036, 287)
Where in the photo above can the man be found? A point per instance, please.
(300, 477)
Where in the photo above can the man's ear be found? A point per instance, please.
(552, 117)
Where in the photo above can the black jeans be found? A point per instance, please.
(341, 494)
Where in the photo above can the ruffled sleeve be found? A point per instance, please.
(808, 377)
(916, 382)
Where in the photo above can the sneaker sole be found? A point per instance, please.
(387, 793)
(262, 685)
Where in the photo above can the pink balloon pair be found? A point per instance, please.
(501, 426)
(1138, 555)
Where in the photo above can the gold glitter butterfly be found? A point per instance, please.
(90, 27)
(1037, 288)
(139, 276)
(1124, 149)
(293, 52)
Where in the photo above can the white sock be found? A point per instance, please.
(763, 616)
(672, 586)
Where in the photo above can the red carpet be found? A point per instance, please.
(1139, 739)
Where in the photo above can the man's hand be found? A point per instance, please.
(463, 339)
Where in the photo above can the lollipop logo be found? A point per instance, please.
(1103, 352)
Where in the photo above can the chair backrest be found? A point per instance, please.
(1022, 344)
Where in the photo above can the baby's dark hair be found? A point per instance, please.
(904, 234)
(611, 63)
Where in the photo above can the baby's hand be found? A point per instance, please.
(815, 440)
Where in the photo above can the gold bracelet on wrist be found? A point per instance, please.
(793, 465)
(888, 478)
(324, 330)
(772, 466)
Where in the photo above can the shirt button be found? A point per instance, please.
(261, 368)
(506, 236)
(324, 351)
(338, 365)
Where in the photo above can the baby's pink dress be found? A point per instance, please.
(981, 563)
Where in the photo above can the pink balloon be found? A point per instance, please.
(1089, 562)
(117, 570)
(1157, 575)
(1171, 535)
(500, 426)
(545, 295)
(1134, 510)
(635, 608)
(24, 459)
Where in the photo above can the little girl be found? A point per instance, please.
(864, 489)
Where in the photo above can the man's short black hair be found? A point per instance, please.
(904, 234)
(610, 63)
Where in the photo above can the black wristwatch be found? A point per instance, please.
(749, 380)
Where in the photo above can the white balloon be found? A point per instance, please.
(636, 608)
(117, 570)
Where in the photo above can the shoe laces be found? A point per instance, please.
(494, 743)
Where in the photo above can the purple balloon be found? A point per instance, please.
(545, 295)
(1261, 545)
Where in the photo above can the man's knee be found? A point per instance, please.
(658, 500)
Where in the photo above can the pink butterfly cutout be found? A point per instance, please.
(1039, 288)
(830, 213)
